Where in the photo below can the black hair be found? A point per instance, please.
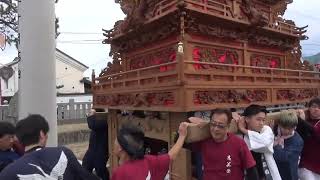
(28, 129)
(314, 101)
(254, 109)
(227, 112)
(6, 128)
(131, 139)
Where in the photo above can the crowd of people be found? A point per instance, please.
(287, 149)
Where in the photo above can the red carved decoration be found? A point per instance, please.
(229, 96)
(156, 58)
(264, 61)
(296, 94)
(137, 100)
(211, 55)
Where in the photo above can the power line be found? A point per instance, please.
(306, 15)
(80, 43)
(82, 40)
(81, 33)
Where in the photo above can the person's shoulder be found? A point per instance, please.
(14, 168)
(56, 149)
(236, 140)
(267, 128)
(9, 155)
(157, 157)
(297, 138)
(233, 137)
(53, 152)
(120, 171)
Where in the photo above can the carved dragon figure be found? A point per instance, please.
(255, 17)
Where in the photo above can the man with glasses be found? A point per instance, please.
(225, 156)
(309, 129)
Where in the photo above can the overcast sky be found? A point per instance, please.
(80, 18)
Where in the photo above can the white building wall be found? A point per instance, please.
(68, 73)
(69, 77)
(12, 86)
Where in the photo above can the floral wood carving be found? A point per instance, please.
(155, 58)
(253, 37)
(296, 94)
(264, 61)
(212, 55)
(229, 96)
(137, 100)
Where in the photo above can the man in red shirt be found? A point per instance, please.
(309, 129)
(134, 165)
(225, 156)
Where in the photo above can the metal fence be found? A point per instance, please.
(66, 112)
(4, 112)
(73, 110)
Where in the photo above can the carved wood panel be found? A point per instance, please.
(296, 94)
(137, 99)
(154, 124)
(214, 55)
(230, 96)
(162, 56)
(258, 60)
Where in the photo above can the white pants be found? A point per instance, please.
(305, 174)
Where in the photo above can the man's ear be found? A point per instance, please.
(42, 134)
(246, 119)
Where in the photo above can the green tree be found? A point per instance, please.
(9, 20)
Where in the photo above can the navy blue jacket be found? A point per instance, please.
(287, 158)
(98, 135)
(7, 157)
(56, 163)
(97, 154)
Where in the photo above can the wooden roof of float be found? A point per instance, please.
(186, 55)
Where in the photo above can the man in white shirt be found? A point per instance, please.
(259, 138)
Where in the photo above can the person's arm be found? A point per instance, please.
(173, 152)
(248, 162)
(198, 130)
(304, 128)
(95, 124)
(76, 168)
(287, 153)
(252, 173)
(259, 142)
(317, 131)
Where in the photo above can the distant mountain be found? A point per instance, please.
(313, 59)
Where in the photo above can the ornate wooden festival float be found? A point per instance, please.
(173, 57)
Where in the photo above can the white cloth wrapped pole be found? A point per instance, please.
(263, 143)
